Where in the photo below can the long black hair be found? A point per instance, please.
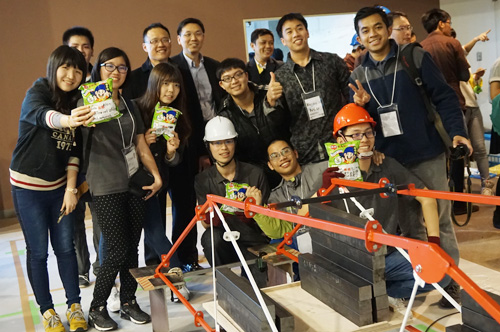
(161, 73)
(65, 55)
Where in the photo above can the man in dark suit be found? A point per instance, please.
(260, 67)
(157, 44)
(203, 95)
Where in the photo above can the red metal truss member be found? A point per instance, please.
(429, 261)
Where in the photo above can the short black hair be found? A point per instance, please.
(395, 14)
(369, 11)
(78, 31)
(228, 64)
(286, 140)
(289, 17)
(260, 32)
(187, 21)
(153, 26)
(431, 19)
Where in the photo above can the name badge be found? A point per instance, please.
(314, 105)
(389, 120)
(131, 160)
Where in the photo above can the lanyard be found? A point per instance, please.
(314, 82)
(393, 83)
(133, 125)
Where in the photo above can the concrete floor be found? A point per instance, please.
(478, 243)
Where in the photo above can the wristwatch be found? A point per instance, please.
(72, 190)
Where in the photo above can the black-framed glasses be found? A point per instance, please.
(164, 41)
(284, 152)
(404, 28)
(111, 68)
(219, 144)
(359, 136)
(236, 76)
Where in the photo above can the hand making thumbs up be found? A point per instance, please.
(274, 92)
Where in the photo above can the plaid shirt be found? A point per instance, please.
(331, 78)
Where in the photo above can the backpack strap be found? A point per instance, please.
(407, 61)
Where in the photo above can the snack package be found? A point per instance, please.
(237, 192)
(98, 96)
(165, 120)
(345, 157)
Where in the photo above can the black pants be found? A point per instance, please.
(120, 217)
(183, 196)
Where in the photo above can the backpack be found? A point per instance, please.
(407, 61)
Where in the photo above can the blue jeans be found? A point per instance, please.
(399, 277)
(154, 231)
(38, 212)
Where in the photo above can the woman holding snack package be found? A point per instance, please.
(112, 149)
(43, 175)
(163, 106)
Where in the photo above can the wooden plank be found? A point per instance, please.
(146, 279)
(337, 277)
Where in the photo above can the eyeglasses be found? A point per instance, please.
(404, 28)
(111, 68)
(284, 152)
(236, 76)
(359, 136)
(219, 144)
(164, 41)
(197, 34)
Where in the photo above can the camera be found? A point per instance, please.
(459, 152)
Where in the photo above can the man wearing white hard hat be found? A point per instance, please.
(231, 179)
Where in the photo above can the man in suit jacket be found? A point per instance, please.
(260, 67)
(157, 44)
(203, 95)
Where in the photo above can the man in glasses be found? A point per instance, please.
(401, 27)
(157, 44)
(224, 178)
(256, 113)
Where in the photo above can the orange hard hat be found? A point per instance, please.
(349, 115)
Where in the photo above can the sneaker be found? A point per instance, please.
(399, 305)
(114, 300)
(100, 320)
(191, 267)
(487, 188)
(132, 312)
(76, 319)
(52, 322)
(83, 280)
(453, 289)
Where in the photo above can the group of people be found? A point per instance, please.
(255, 129)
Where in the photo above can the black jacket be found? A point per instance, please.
(264, 77)
(137, 82)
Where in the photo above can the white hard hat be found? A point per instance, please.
(219, 128)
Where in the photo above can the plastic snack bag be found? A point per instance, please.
(98, 96)
(237, 192)
(164, 121)
(345, 157)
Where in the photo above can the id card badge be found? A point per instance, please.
(314, 105)
(131, 160)
(389, 120)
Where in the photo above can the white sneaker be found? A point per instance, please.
(184, 292)
(399, 305)
(114, 300)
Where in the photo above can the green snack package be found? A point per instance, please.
(345, 157)
(164, 121)
(98, 96)
(237, 192)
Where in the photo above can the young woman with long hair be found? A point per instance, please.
(114, 149)
(43, 175)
